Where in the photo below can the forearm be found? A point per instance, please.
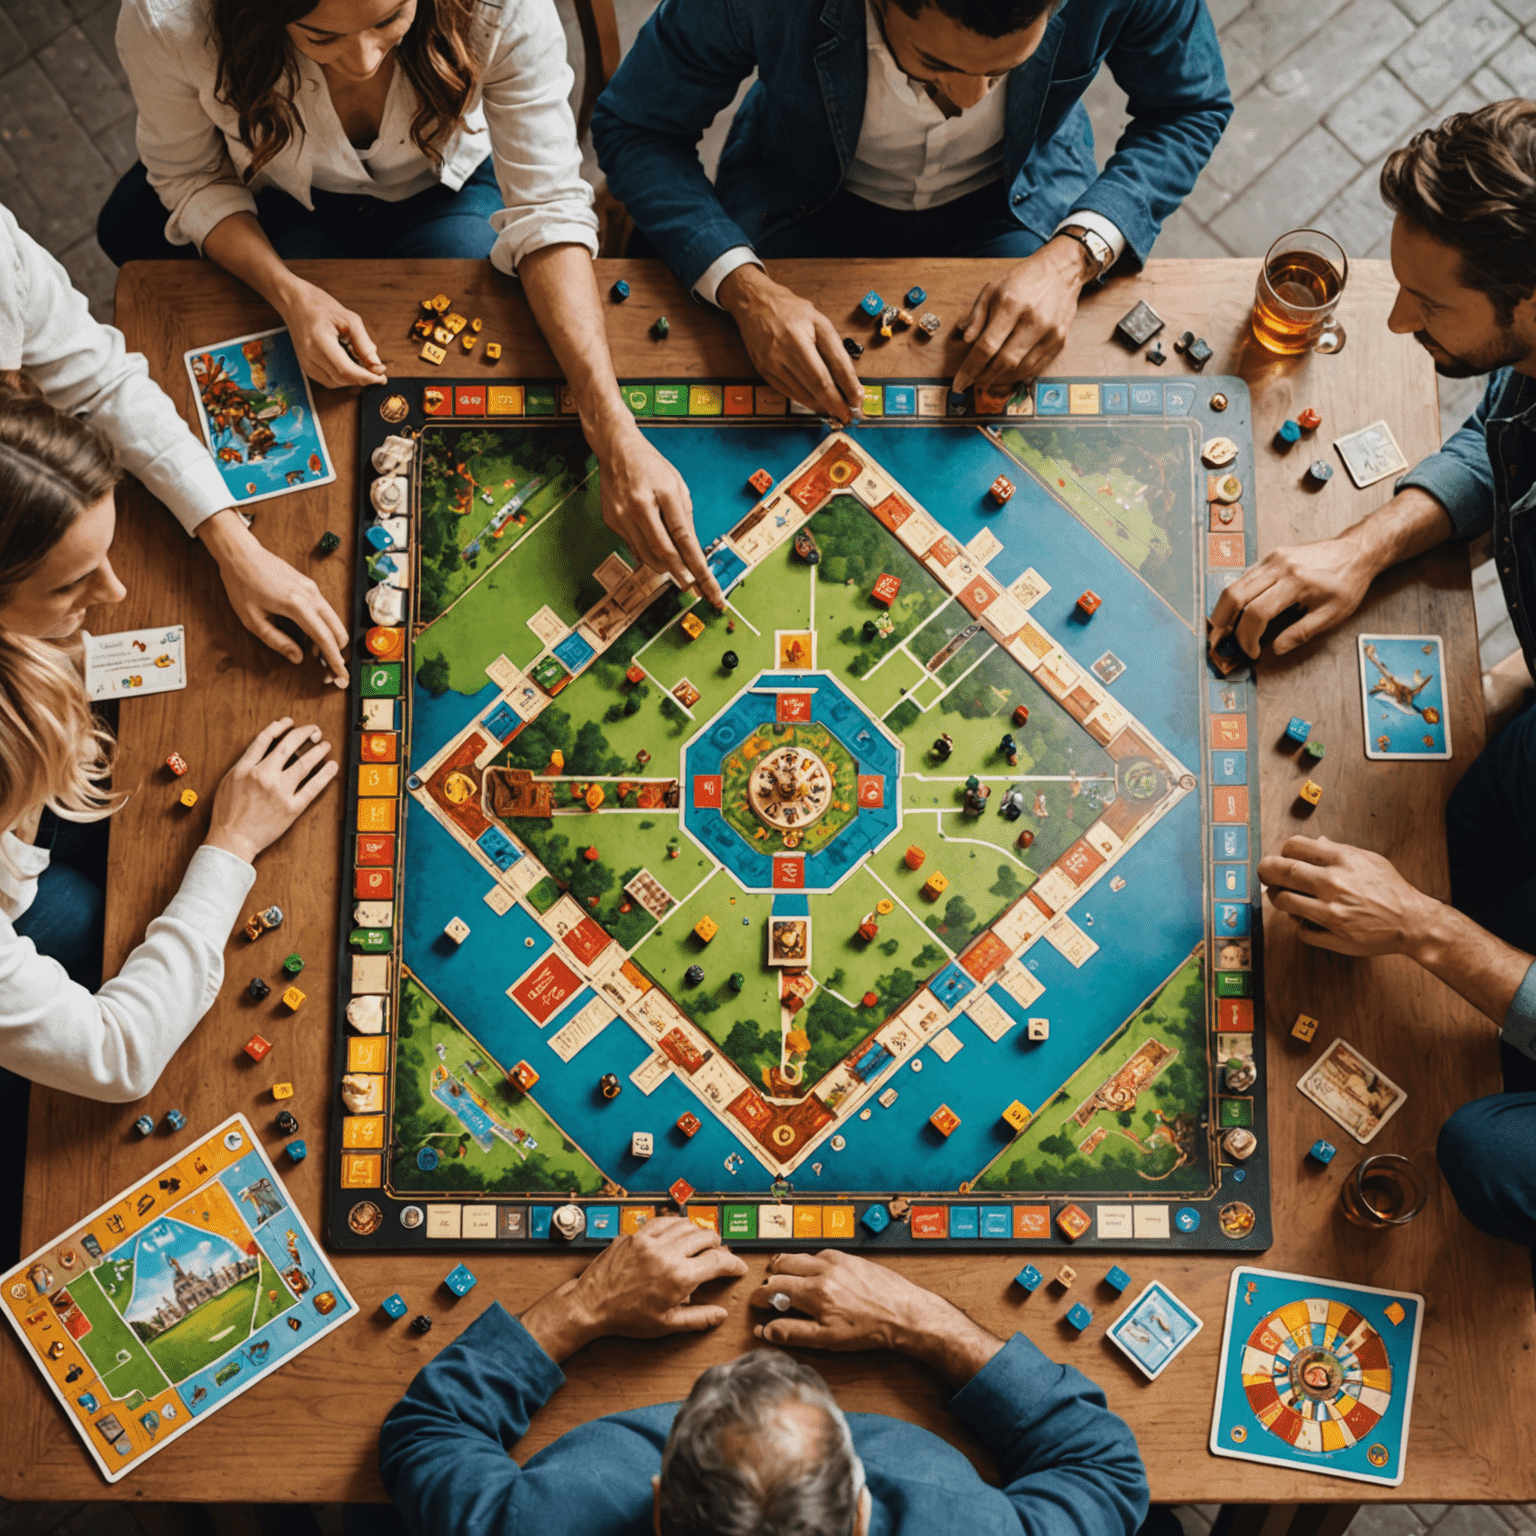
(1408, 525)
(1467, 958)
(558, 1322)
(946, 1340)
(239, 244)
(562, 292)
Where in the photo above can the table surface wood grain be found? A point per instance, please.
(310, 1431)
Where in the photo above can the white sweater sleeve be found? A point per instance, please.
(527, 86)
(113, 1045)
(86, 369)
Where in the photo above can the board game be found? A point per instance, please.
(157, 1309)
(906, 902)
(1316, 1375)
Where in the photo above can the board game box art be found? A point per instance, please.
(907, 901)
(157, 1309)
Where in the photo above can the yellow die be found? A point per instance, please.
(1311, 792)
(469, 339)
(1016, 1115)
(1304, 1028)
(441, 303)
(455, 322)
(282, 1090)
(705, 929)
(692, 625)
(935, 885)
(188, 798)
(294, 999)
(493, 351)
(432, 353)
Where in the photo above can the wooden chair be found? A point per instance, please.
(601, 52)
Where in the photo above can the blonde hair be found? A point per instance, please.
(54, 751)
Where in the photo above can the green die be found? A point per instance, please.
(329, 542)
(381, 680)
(1314, 749)
(294, 964)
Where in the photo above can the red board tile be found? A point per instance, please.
(546, 988)
(469, 400)
(871, 791)
(706, 791)
(788, 872)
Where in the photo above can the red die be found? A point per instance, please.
(522, 1077)
(760, 481)
(635, 674)
(1002, 489)
(681, 1192)
(1088, 604)
(1021, 715)
(256, 1047)
(176, 763)
(1309, 420)
(885, 589)
(688, 1122)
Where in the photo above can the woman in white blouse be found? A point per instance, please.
(57, 1025)
(278, 129)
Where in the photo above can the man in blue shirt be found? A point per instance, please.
(760, 1446)
(914, 128)
(1464, 254)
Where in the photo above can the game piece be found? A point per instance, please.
(609, 1086)
(944, 1120)
(737, 981)
(641, 1144)
(1026, 838)
(329, 542)
(1322, 1151)
(432, 353)
(886, 589)
(888, 318)
(1288, 435)
(1218, 401)
(1139, 325)
(493, 351)
(287, 1123)
(459, 1280)
(1240, 1075)
(806, 547)
(914, 856)
(1079, 1316)
(1088, 604)
(1039, 1029)
(691, 625)
(693, 975)
(876, 1218)
(1304, 1028)
(1155, 354)
(144, 1125)
(1309, 420)
(854, 349)
(256, 1047)
(929, 323)
(872, 304)
(1116, 1278)
(394, 1306)
(188, 798)
(688, 1123)
(1198, 353)
(522, 1076)
(680, 1192)
(293, 998)
(935, 886)
(1001, 489)
(1065, 1276)
(296, 1151)
(282, 1090)
(293, 964)
(619, 292)
(760, 481)
(1349, 1415)
(175, 1120)
(468, 340)
(1072, 1221)
(1218, 452)
(176, 763)
(915, 296)
(422, 1323)
(1314, 748)
(1319, 472)
(1016, 1116)
(705, 929)
(1239, 1143)
(258, 989)
(1298, 730)
(454, 323)
(868, 930)
(1311, 792)
(1227, 488)
(1029, 1278)
(661, 328)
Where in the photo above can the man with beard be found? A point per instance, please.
(1464, 254)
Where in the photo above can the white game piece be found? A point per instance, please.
(457, 930)
(1039, 1029)
(641, 1144)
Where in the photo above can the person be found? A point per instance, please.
(46, 330)
(273, 130)
(1464, 254)
(760, 1445)
(910, 128)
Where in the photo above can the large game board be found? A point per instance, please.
(157, 1309)
(623, 865)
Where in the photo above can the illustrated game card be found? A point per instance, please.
(1371, 454)
(1153, 1329)
(258, 416)
(1345, 1086)
(136, 661)
(1402, 688)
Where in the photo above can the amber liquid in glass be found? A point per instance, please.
(1297, 293)
(1382, 1197)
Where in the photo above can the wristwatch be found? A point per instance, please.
(1095, 244)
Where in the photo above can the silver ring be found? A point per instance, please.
(779, 1302)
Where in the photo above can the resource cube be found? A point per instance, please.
(688, 1123)
(935, 885)
(944, 1120)
(680, 1192)
(522, 1077)
(1116, 1279)
(294, 999)
(176, 763)
(914, 857)
(1079, 1316)
(692, 625)
(188, 798)
(641, 1144)
(876, 1218)
(1002, 489)
(872, 304)
(760, 481)
(174, 1120)
(257, 1047)
(1030, 1278)
(457, 930)
(885, 589)
(1088, 604)
(1016, 1115)
(1073, 1221)
(705, 929)
(1322, 1151)
(1304, 1028)
(1311, 792)
(296, 1151)
(1298, 730)
(459, 1280)
(1039, 1029)
(394, 1305)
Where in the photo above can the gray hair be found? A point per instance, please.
(732, 1467)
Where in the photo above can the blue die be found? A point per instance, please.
(1322, 1151)
(143, 1125)
(1079, 1317)
(174, 1120)
(459, 1280)
(915, 296)
(876, 1218)
(296, 1151)
(1298, 730)
(619, 292)
(872, 304)
(1029, 1277)
(1117, 1279)
(394, 1305)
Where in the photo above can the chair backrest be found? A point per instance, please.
(600, 52)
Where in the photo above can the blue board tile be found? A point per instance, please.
(1178, 399)
(1233, 919)
(1229, 767)
(964, 1221)
(1114, 399)
(900, 400)
(1231, 842)
(603, 1221)
(574, 653)
(996, 1221)
(1051, 399)
(538, 1220)
(1146, 399)
(1231, 881)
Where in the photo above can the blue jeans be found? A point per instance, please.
(65, 922)
(439, 223)
(1487, 1149)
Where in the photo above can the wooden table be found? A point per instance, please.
(310, 1432)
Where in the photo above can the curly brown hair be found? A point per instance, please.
(1470, 183)
(259, 72)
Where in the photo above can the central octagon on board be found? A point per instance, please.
(793, 784)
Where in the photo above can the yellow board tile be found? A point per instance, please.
(367, 1053)
(361, 1170)
(706, 1216)
(504, 400)
(1083, 399)
(378, 778)
(362, 1130)
(874, 400)
(807, 1221)
(633, 1217)
(705, 400)
(376, 815)
(837, 1221)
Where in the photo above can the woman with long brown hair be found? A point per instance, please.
(271, 130)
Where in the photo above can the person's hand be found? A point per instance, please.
(639, 1287)
(262, 586)
(792, 344)
(1018, 324)
(333, 344)
(1346, 899)
(1329, 579)
(275, 779)
(646, 502)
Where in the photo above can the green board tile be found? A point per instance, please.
(740, 1222)
(381, 680)
(1234, 983)
(540, 400)
(640, 398)
(671, 399)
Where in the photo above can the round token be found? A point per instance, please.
(783, 1135)
(779, 1301)
(1186, 1218)
(394, 408)
(1240, 1142)
(917, 1066)
(365, 1218)
(1376, 1455)
(1218, 402)
(427, 1159)
(412, 1216)
(838, 1143)
(1228, 488)
(1239, 1174)
(1219, 451)
(528, 942)
(885, 907)
(1236, 1219)
(1239, 1433)
(234, 1141)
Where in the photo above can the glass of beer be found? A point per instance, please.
(1300, 283)
(1383, 1191)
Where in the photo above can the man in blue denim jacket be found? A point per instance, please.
(1464, 253)
(760, 1444)
(913, 128)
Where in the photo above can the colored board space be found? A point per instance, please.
(906, 901)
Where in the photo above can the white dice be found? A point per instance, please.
(1039, 1029)
(457, 930)
(641, 1144)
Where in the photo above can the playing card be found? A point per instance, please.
(1153, 1329)
(258, 416)
(1402, 688)
(136, 661)
(1345, 1086)
(1371, 454)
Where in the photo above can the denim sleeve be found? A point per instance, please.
(1168, 62)
(443, 1448)
(1068, 1465)
(1460, 476)
(1519, 1028)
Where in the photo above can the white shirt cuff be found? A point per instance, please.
(1106, 229)
(720, 268)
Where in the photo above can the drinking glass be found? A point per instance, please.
(1383, 1191)
(1300, 282)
